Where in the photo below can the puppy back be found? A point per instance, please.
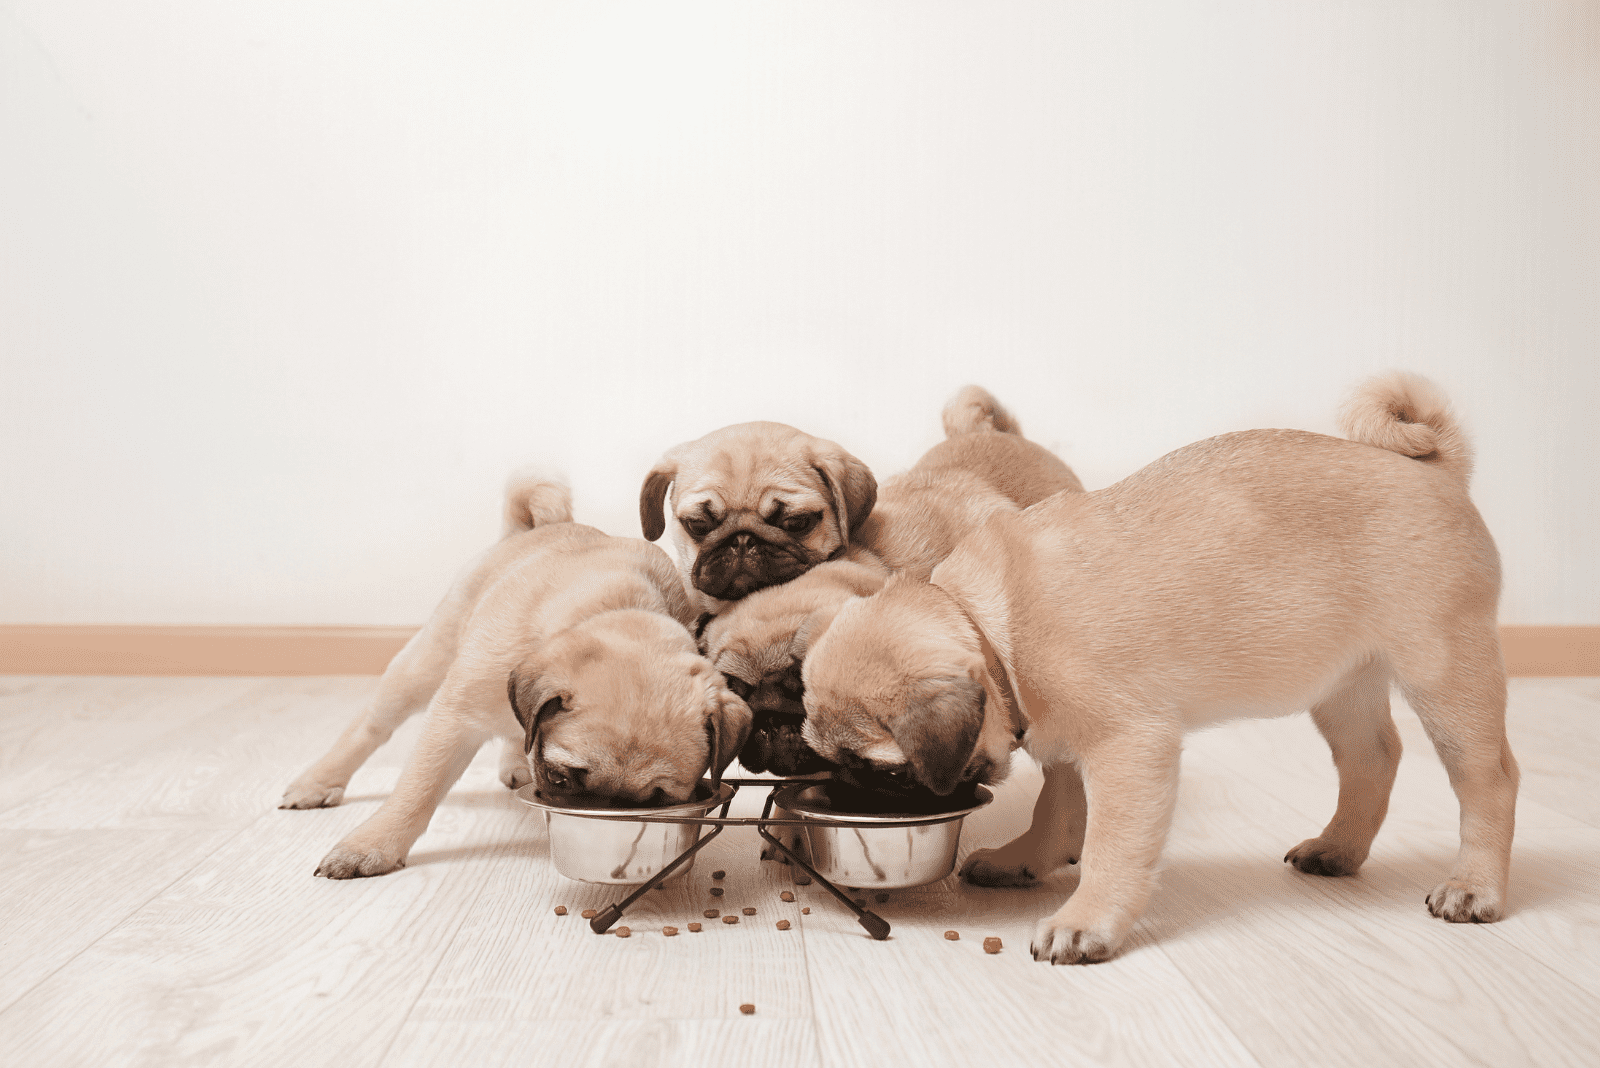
(975, 409)
(533, 499)
(1407, 414)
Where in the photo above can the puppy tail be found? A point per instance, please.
(534, 498)
(974, 409)
(1407, 414)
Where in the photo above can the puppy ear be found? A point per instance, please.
(728, 723)
(939, 729)
(533, 702)
(850, 482)
(653, 496)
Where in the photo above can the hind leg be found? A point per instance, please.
(1459, 693)
(408, 683)
(1366, 750)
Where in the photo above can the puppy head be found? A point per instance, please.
(621, 711)
(754, 505)
(759, 644)
(897, 691)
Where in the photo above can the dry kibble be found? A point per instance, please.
(623, 932)
(802, 880)
(749, 912)
(669, 931)
(783, 925)
(991, 945)
(952, 936)
(561, 910)
(719, 874)
(716, 891)
(747, 1009)
(694, 928)
(859, 900)
(806, 911)
(787, 895)
(587, 914)
(711, 914)
(730, 919)
(881, 898)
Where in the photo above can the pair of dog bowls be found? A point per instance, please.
(879, 850)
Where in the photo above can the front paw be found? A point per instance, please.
(516, 776)
(991, 867)
(347, 861)
(1462, 902)
(1316, 857)
(308, 793)
(1064, 942)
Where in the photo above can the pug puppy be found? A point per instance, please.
(570, 645)
(983, 466)
(1254, 574)
(754, 505)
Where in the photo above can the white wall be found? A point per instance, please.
(289, 286)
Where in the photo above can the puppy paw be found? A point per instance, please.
(346, 862)
(1462, 902)
(1316, 857)
(304, 793)
(516, 777)
(988, 867)
(1062, 942)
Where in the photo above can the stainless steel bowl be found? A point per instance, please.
(621, 851)
(875, 850)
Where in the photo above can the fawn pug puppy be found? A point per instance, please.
(754, 505)
(570, 645)
(983, 466)
(1253, 574)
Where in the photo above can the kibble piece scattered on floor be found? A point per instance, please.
(711, 914)
(747, 1009)
(730, 919)
(623, 932)
(587, 914)
(787, 895)
(952, 936)
(694, 928)
(719, 874)
(802, 880)
(783, 925)
(749, 912)
(716, 891)
(669, 931)
(992, 945)
(561, 910)
(806, 911)
(881, 898)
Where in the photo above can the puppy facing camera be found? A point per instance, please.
(1253, 574)
(569, 645)
(754, 505)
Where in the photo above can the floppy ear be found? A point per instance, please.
(533, 702)
(850, 482)
(727, 728)
(653, 495)
(939, 729)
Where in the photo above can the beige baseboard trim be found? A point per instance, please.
(75, 650)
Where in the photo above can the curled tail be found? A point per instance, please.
(975, 409)
(534, 499)
(1407, 414)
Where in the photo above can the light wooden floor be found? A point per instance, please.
(157, 909)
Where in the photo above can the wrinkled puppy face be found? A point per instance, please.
(620, 711)
(759, 644)
(896, 692)
(755, 505)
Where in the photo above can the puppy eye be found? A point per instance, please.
(740, 688)
(697, 525)
(800, 524)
